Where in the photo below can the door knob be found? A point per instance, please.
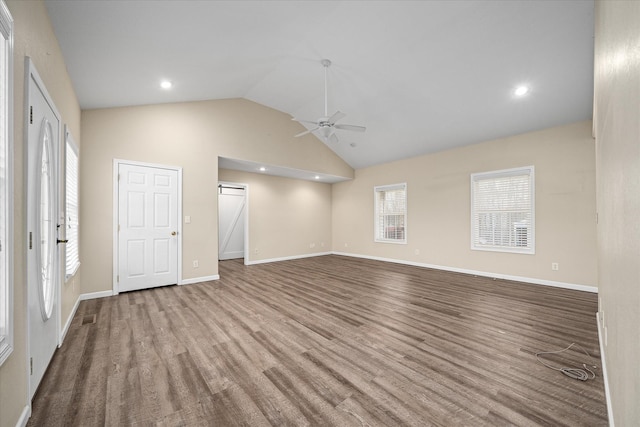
(62, 241)
(173, 233)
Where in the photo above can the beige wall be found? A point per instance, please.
(33, 37)
(192, 136)
(438, 194)
(617, 129)
(287, 217)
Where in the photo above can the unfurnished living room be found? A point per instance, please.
(319, 213)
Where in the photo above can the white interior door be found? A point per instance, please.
(231, 217)
(148, 227)
(43, 273)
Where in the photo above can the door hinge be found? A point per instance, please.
(118, 227)
(31, 363)
(31, 114)
(30, 240)
(118, 278)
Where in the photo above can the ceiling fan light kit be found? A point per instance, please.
(326, 126)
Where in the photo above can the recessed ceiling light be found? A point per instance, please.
(262, 169)
(317, 176)
(521, 90)
(166, 84)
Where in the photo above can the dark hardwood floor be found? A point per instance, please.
(326, 341)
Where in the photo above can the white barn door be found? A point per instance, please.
(232, 203)
(148, 216)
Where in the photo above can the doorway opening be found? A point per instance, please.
(233, 231)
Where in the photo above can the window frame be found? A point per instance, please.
(530, 249)
(70, 145)
(376, 215)
(6, 187)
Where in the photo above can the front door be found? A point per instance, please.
(43, 273)
(147, 227)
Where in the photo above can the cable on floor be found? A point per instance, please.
(582, 374)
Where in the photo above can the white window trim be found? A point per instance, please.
(378, 189)
(6, 288)
(528, 170)
(71, 144)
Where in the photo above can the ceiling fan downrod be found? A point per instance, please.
(326, 64)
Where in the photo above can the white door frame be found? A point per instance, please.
(246, 215)
(32, 73)
(116, 212)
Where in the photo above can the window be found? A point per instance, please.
(502, 211)
(72, 255)
(391, 213)
(6, 183)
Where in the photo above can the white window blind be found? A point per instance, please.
(391, 213)
(72, 259)
(6, 202)
(502, 210)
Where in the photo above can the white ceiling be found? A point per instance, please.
(422, 76)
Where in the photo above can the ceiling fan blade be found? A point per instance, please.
(333, 138)
(304, 121)
(306, 132)
(336, 116)
(351, 127)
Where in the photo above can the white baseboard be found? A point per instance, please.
(94, 295)
(199, 279)
(24, 417)
(69, 320)
(287, 258)
(604, 371)
(576, 287)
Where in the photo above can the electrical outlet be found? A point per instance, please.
(196, 264)
(255, 251)
(312, 245)
(322, 244)
(417, 252)
(187, 219)
(555, 266)
(346, 245)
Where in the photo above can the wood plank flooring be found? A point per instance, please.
(326, 341)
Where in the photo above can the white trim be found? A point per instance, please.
(288, 258)
(6, 348)
(24, 416)
(94, 295)
(564, 285)
(246, 217)
(605, 377)
(67, 324)
(116, 166)
(199, 279)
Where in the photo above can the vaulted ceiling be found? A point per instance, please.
(422, 76)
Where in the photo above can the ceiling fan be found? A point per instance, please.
(327, 125)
